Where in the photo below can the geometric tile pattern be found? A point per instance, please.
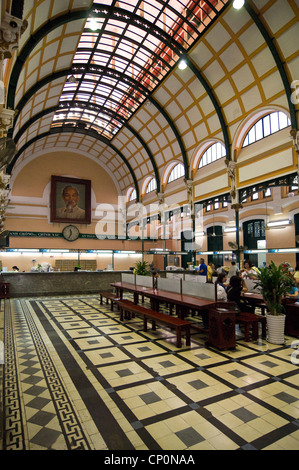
(75, 377)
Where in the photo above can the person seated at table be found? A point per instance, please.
(293, 292)
(234, 294)
(247, 272)
(221, 287)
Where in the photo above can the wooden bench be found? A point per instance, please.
(128, 308)
(109, 296)
(251, 320)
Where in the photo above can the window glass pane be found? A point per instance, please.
(268, 192)
(283, 120)
(274, 122)
(255, 195)
(251, 135)
(267, 129)
(133, 195)
(259, 130)
(152, 185)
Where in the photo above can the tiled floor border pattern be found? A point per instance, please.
(75, 377)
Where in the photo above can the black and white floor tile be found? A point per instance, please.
(75, 377)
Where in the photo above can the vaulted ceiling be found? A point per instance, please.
(103, 78)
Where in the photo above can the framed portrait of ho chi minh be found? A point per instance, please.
(70, 200)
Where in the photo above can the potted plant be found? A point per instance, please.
(274, 283)
(142, 268)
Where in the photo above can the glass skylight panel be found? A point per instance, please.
(127, 43)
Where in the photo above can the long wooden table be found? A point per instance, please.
(182, 302)
(221, 334)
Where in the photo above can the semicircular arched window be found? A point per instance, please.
(267, 125)
(177, 172)
(152, 185)
(213, 153)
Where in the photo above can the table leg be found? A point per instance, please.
(188, 342)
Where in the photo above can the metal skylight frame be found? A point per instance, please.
(117, 66)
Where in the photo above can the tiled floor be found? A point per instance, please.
(75, 377)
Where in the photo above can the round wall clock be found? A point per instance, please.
(70, 233)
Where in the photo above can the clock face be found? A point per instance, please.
(70, 233)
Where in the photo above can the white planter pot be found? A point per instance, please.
(275, 325)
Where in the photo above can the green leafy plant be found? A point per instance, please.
(275, 283)
(142, 268)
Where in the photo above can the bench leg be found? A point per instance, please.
(121, 314)
(153, 325)
(144, 323)
(179, 337)
(101, 299)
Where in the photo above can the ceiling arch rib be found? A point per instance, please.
(217, 107)
(94, 134)
(59, 123)
(280, 65)
(167, 38)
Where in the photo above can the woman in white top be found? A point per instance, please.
(221, 288)
(247, 272)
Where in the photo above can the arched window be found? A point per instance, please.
(177, 172)
(152, 185)
(133, 195)
(265, 126)
(213, 153)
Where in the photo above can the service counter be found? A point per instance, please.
(59, 283)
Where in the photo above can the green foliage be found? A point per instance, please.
(275, 282)
(142, 268)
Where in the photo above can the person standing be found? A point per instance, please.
(233, 269)
(202, 268)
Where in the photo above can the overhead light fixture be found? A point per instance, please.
(182, 64)
(93, 24)
(237, 4)
(71, 79)
(277, 223)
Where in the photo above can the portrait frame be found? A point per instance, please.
(82, 215)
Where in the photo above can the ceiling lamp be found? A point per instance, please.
(93, 24)
(237, 4)
(182, 64)
(278, 223)
(71, 79)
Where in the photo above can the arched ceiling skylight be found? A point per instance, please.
(125, 51)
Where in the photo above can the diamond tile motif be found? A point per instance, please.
(120, 388)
